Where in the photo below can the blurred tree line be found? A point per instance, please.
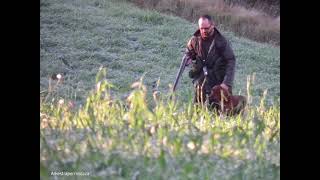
(271, 7)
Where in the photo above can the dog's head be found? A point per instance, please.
(219, 94)
(231, 104)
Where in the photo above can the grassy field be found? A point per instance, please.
(101, 125)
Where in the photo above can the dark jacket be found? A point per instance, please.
(220, 63)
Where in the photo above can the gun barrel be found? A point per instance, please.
(181, 69)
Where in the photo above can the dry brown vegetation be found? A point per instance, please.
(254, 24)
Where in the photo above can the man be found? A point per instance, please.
(212, 59)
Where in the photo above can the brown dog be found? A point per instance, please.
(225, 102)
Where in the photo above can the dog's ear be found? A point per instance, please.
(223, 95)
(215, 93)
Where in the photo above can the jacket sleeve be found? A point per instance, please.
(190, 50)
(191, 54)
(230, 59)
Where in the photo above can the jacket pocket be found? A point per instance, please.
(220, 70)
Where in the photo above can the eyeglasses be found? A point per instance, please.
(207, 28)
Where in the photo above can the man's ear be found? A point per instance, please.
(212, 28)
(213, 24)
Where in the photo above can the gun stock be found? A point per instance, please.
(181, 69)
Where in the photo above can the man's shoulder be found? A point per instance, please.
(220, 40)
(194, 39)
(219, 35)
(196, 35)
(192, 42)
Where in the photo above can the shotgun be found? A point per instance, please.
(181, 69)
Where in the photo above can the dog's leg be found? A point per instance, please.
(221, 101)
(198, 93)
(202, 90)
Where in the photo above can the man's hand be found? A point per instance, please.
(224, 86)
(189, 61)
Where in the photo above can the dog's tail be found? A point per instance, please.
(241, 104)
(155, 90)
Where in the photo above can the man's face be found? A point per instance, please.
(205, 28)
